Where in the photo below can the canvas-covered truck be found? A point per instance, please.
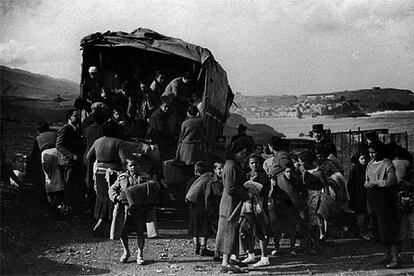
(146, 51)
(149, 51)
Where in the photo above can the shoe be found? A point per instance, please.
(383, 261)
(264, 261)
(204, 252)
(124, 258)
(216, 257)
(275, 253)
(238, 263)
(231, 269)
(251, 258)
(394, 265)
(366, 237)
(140, 261)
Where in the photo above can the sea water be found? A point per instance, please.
(395, 121)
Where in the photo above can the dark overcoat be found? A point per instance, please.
(357, 191)
(227, 240)
(69, 143)
(191, 142)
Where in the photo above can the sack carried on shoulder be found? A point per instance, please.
(405, 202)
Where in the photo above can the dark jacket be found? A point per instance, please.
(327, 144)
(191, 142)
(69, 143)
(91, 134)
(243, 139)
(356, 189)
(158, 128)
(91, 87)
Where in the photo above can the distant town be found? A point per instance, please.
(356, 103)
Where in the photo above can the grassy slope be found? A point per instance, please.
(19, 83)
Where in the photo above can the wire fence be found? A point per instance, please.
(347, 143)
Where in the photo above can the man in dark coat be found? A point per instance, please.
(322, 140)
(158, 130)
(70, 149)
(91, 85)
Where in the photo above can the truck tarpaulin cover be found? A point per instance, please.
(217, 95)
(148, 40)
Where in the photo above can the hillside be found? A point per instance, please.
(20, 83)
(381, 99)
(370, 100)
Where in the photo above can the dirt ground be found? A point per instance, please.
(33, 242)
(56, 247)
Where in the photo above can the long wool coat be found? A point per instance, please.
(191, 142)
(227, 240)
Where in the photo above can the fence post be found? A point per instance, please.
(406, 140)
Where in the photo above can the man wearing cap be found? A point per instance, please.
(243, 138)
(321, 140)
(91, 85)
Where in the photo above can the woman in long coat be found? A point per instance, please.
(107, 154)
(227, 240)
(381, 184)
(191, 142)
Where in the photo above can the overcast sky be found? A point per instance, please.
(266, 46)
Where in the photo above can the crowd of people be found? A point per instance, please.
(266, 196)
(237, 193)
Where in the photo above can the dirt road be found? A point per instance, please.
(69, 248)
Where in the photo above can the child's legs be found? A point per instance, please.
(276, 239)
(263, 247)
(140, 244)
(124, 241)
(247, 244)
(292, 236)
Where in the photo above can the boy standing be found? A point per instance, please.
(134, 193)
(197, 199)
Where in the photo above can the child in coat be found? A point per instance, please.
(199, 223)
(134, 193)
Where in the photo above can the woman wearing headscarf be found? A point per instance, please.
(381, 184)
(227, 239)
(107, 154)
